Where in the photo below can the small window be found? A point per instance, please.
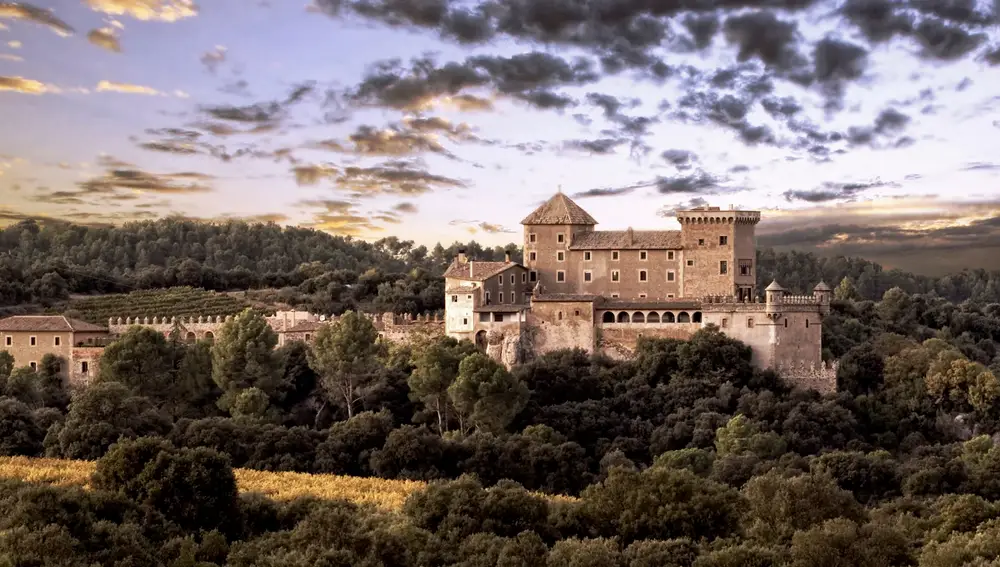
(465, 321)
(532, 256)
(513, 297)
(586, 256)
(454, 299)
(560, 276)
(33, 341)
(576, 313)
(701, 242)
(615, 276)
(614, 255)
(468, 297)
(642, 296)
(588, 276)
(614, 296)
(84, 367)
(501, 297)
(749, 322)
(560, 315)
(532, 275)
(531, 237)
(33, 365)
(690, 262)
(671, 275)
(561, 256)
(500, 279)
(560, 238)
(308, 337)
(484, 317)
(643, 275)
(670, 254)
(10, 341)
(786, 322)
(723, 240)
(56, 341)
(643, 255)
(487, 298)
(807, 323)
(524, 277)
(670, 296)
(723, 267)
(725, 322)
(512, 279)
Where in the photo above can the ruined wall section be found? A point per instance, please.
(619, 340)
(562, 325)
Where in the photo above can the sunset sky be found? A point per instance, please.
(864, 128)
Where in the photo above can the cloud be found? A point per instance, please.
(474, 226)
(22, 85)
(213, 58)
(397, 177)
(147, 10)
(671, 210)
(339, 217)
(405, 207)
(110, 86)
(313, 174)
(11, 57)
(681, 159)
(121, 179)
(105, 38)
(14, 44)
(697, 182)
(830, 191)
(261, 116)
(601, 146)
(28, 12)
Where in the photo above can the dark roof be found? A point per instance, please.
(461, 289)
(306, 326)
(627, 240)
(560, 209)
(565, 298)
(48, 324)
(500, 308)
(626, 304)
(480, 270)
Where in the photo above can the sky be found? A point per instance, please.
(865, 127)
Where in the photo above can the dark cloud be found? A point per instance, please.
(105, 38)
(405, 208)
(608, 191)
(122, 179)
(830, 191)
(213, 58)
(681, 159)
(982, 166)
(697, 182)
(339, 217)
(396, 177)
(258, 118)
(601, 146)
(671, 210)
(30, 13)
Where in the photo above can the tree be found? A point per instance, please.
(486, 394)
(860, 370)
(243, 357)
(142, 359)
(19, 433)
(960, 383)
(51, 384)
(6, 367)
(846, 291)
(345, 355)
(435, 368)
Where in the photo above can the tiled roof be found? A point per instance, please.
(480, 270)
(626, 304)
(306, 326)
(500, 308)
(560, 209)
(460, 289)
(565, 297)
(48, 324)
(627, 240)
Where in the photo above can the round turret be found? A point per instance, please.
(823, 295)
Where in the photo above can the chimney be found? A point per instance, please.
(506, 257)
(461, 256)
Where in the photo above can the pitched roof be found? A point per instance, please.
(566, 298)
(651, 304)
(477, 271)
(627, 240)
(560, 209)
(501, 308)
(48, 324)
(775, 286)
(306, 326)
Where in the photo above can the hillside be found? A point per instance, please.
(171, 302)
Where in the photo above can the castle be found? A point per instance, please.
(601, 290)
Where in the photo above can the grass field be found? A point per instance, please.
(387, 494)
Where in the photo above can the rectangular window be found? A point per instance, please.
(524, 277)
(642, 275)
(690, 262)
(465, 320)
(561, 256)
(786, 322)
(513, 297)
(560, 276)
(586, 256)
(484, 317)
(532, 256)
(487, 298)
(614, 255)
(643, 255)
(512, 279)
(533, 275)
(723, 267)
(671, 275)
(10, 341)
(454, 299)
(615, 276)
(670, 254)
(56, 341)
(588, 276)
(501, 297)
(670, 296)
(614, 296)
(500, 279)
(746, 267)
(33, 365)
(84, 367)
(807, 323)
(723, 240)
(560, 315)
(560, 238)
(33, 341)
(531, 237)
(308, 337)
(701, 242)
(642, 296)
(725, 322)
(749, 322)
(498, 317)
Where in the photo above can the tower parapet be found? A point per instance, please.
(716, 215)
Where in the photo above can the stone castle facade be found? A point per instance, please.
(601, 290)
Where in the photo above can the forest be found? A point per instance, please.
(685, 455)
(42, 265)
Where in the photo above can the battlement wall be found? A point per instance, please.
(788, 303)
(821, 377)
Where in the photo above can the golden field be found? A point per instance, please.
(386, 494)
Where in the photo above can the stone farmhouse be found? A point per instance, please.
(602, 290)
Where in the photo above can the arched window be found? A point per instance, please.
(653, 317)
(668, 317)
(623, 317)
(697, 317)
(191, 337)
(209, 336)
(608, 317)
(683, 317)
(638, 317)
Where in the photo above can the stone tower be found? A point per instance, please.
(720, 252)
(548, 233)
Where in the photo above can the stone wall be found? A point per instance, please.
(821, 377)
(84, 365)
(618, 340)
(574, 329)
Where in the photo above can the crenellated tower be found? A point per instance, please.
(720, 252)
